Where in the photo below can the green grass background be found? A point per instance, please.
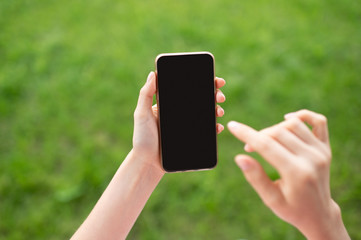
(70, 73)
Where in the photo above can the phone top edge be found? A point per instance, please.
(183, 53)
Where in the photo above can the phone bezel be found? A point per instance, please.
(158, 104)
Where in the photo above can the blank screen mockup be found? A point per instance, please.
(186, 101)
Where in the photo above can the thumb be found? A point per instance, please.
(145, 99)
(255, 175)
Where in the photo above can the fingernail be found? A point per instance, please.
(220, 111)
(224, 97)
(149, 76)
(289, 115)
(244, 165)
(232, 125)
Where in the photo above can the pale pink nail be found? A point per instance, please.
(232, 125)
(289, 115)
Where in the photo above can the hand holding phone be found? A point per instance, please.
(138, 175)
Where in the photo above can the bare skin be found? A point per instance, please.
(301, 196)
(121, 203)
(302, 157)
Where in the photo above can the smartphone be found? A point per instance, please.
(186, 111)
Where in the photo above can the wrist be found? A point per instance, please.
(147, 163)
(327, 227)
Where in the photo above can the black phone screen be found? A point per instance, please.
(186, 108)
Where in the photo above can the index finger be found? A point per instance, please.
(276, 154)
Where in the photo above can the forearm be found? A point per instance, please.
(121, 203)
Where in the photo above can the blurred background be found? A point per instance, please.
(70, 74)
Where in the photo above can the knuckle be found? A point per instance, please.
(277, 133)
(263, 143)
(293, 123)
(308, 176)
(142, 91)
(323, 162)
(321, 119)
(309, 179)
(304, 111)
(269, 131)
